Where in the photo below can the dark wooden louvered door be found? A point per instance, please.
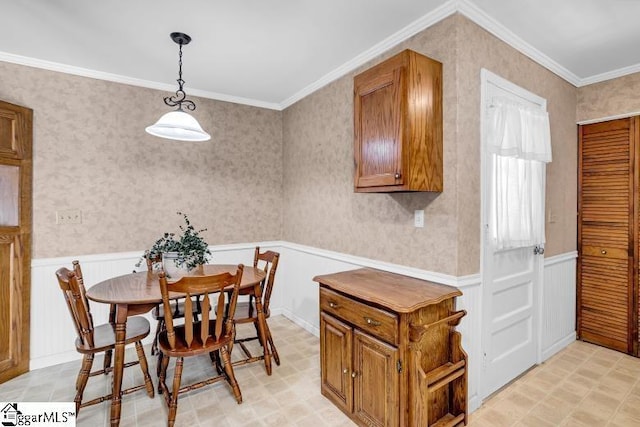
(607, 313)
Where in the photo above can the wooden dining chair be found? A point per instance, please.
(208, 336)
(247, 310)
(177, 308)
(112, 312)
(98, 339)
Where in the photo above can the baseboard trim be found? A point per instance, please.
(301, 322)
(558, 345)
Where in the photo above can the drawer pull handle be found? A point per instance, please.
(333, 304)
(354, 374)
(603, 252)
(371, 321)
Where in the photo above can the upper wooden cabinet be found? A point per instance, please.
(398, 125)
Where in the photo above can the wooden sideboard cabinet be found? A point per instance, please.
(389, 352)
(398, 125)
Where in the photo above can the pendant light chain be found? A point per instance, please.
(180, 98)
(180, 81)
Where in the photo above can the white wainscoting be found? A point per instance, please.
(296, 297)
(52, 332)
(558, 303)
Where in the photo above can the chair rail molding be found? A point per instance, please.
(295, 296)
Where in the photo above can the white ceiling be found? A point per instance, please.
(273, 53)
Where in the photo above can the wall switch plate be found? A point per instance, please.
(418, 218)
(69, 216)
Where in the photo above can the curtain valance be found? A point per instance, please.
(516, 130)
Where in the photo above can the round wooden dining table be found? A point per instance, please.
(138, 293)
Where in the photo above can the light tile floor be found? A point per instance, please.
(583, 385)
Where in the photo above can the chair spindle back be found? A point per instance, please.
(269, 261)
(77, 302)
(206, 287)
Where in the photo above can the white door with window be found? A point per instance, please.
(513, 171)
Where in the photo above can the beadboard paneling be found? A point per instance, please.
(558, 303)
(296, 297)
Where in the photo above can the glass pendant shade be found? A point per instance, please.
(180, 126)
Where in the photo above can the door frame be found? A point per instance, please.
(488, 78)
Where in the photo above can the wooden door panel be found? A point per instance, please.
(335, 361)
(606, 226)
(15, 238)
(379, 130)
(6, 250)
(606, 235)
(375, 388)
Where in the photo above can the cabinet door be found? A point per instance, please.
(378, 116)
(335, 361)
(375, 388)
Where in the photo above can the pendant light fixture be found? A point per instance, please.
(179, 124)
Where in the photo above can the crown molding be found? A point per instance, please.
(117, 78)
(609, 75)
(433, 17)
(464, 7)
(480, 17)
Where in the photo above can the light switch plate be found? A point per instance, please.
(69, 216)
(418, 218)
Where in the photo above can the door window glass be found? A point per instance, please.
(9, 195)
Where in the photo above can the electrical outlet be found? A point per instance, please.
(69, 216)
(418, 218)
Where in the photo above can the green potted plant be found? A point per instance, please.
(184, 252)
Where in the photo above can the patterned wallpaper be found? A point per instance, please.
(479, 49)
(91, 153)
(322, 210)
(268, 175)
(609, 98)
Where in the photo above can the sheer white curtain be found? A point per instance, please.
(519, 142)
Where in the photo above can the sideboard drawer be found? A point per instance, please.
(374, 321)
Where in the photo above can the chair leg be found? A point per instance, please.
(173, 403)
(83, 376)
(159, 327)
(145, 369)
(159, 366)
(255, 325)
(163, 363)
(215, 361)
(271, 345)
(231, 378)
(107, 361)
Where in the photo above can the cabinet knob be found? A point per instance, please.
(371, 321)
(398, 175)
(603, 252)
(333, 304)
(354, 374)
(345, 371)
